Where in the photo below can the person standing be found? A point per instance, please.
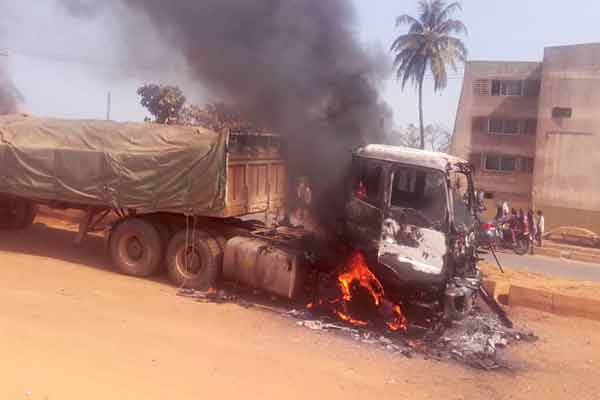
(499, 212)
(541, 222)
(505, 209)
(532, 228)
(522, 220)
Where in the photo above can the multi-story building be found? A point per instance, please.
(533, 131)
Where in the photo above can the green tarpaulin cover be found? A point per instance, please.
(143, 166)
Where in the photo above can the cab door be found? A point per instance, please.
(364, 211)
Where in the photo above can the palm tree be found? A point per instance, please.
(429, 44)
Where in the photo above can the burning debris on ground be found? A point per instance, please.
(480, 340)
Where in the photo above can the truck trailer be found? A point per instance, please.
(175, 193)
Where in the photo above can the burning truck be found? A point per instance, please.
(188, 197)
(412, 214)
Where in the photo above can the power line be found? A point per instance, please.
(66, 58)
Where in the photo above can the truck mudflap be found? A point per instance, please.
(415, 255)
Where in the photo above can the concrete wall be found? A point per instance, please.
(471, 137)
(566, 175)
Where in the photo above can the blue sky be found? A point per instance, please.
(498, 30)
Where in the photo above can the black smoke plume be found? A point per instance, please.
(295, 66)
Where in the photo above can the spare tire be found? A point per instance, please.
(136, 247)
(194, 259)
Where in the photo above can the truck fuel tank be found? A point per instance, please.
(263, 265)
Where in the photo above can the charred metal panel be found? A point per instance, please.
(416, 255)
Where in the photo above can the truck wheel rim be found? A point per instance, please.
(131, 248)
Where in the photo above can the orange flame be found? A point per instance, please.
(399, 321)
(347, 318)
(356, 270)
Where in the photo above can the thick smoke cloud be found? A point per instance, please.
(295, 66)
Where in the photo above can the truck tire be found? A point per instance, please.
(19, 214)
(222, 241)
(165, 237)
(136, 247)
(164, 231)
(194, 259)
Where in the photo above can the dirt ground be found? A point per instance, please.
(70, 328)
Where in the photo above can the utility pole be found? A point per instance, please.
(108, 104)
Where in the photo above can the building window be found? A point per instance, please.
(512, 127)
(507, 88)
(562, 112)
(527, 165)
(496, 125)
(500, 163)
(481, 87)
(500, 126)
(530, 127)
(508, 163)
(492, 163)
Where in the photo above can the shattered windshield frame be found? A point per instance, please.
(420, 195)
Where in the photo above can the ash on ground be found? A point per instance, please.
(478, 341)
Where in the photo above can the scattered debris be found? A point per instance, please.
(479, 341)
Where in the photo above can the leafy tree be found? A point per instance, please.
(163, 102)
(215, 116)
(429, 45)
(167, 105)
(436, 137)
(407, 137)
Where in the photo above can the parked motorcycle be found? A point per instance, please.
(497, 234)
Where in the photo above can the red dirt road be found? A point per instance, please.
(70, 328)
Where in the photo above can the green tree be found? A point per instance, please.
(163, 102)
(167, 106)
(429, 45)
(215, 116)
(437, 137)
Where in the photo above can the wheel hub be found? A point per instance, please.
(135, 250)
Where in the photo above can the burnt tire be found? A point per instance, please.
(194, 259)
(18, 214)
(136, 247)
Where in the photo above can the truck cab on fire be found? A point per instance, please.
(406, 212)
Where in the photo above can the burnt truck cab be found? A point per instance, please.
(411, 212)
